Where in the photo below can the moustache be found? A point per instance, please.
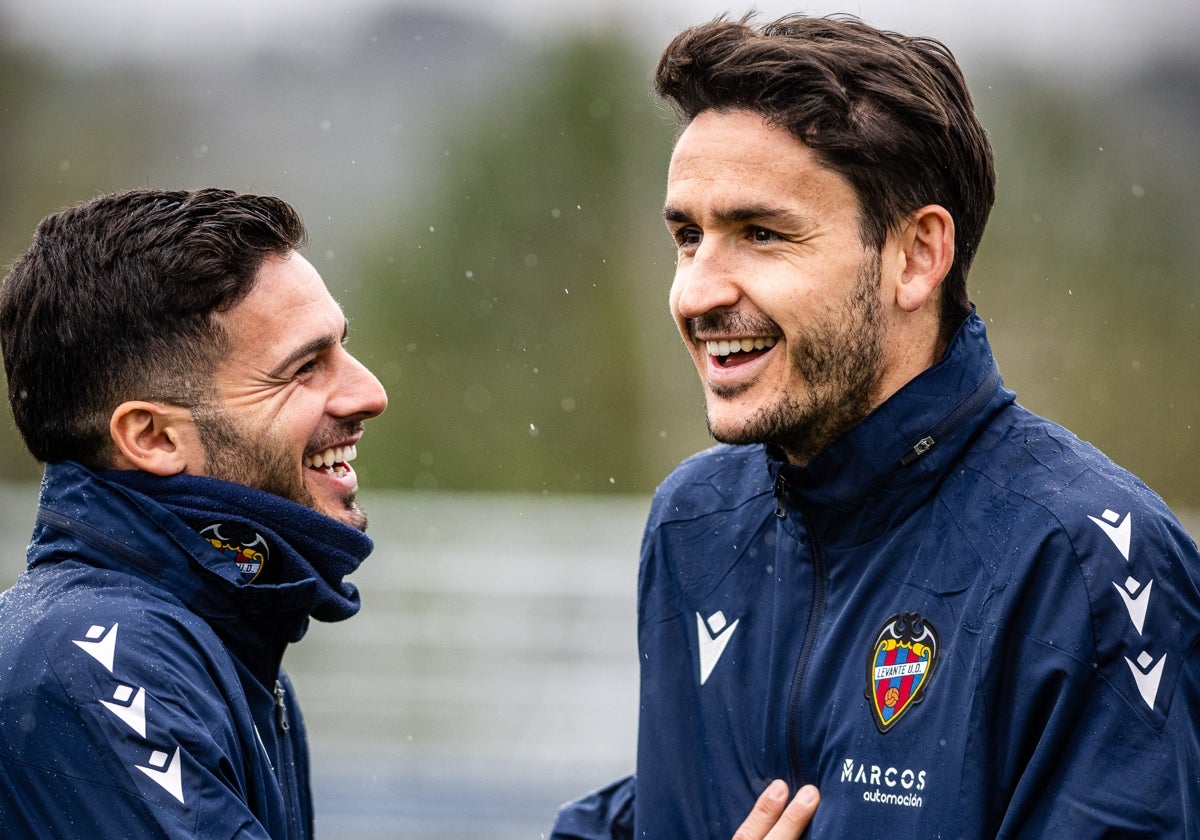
(335, 435)
(729, 322)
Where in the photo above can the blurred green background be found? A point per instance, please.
(483, 192)
(483, 195)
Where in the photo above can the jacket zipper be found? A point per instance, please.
(976, 400)
(98, 540)
(287, 762)
(973, 403)
(281, 716)
(795, 754)
(815, 617)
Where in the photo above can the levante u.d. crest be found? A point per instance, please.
(902, 662)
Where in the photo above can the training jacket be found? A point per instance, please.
(141, 694)
(957, 621)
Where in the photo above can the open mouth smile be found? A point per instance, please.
(333, 461)
(735, 351)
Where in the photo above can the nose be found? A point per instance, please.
(704, 281)
(358, 393)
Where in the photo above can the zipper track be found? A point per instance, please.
(98, 540)
(287, 762)
(973, 403)
(815, 617)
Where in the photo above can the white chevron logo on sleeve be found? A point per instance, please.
(1117, 530)
(712, 638)
(1147, 677)
(169, 778)
(1137, 603)
(100, 644)
(132, 712)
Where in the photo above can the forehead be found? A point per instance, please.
(288, 304)
(738, 157)
(284, 277)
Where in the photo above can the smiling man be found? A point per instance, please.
(890, 582)
(180, 369)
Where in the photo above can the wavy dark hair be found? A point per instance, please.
(116, 299)
(889, 112)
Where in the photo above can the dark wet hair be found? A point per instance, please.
(116, 299)
(889, 112)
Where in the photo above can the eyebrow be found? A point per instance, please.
(747, 213)
(317, 345)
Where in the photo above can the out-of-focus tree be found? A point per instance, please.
(22, 80)
(1088, 274)
(68, 134)
(488, 211)
(524, 295)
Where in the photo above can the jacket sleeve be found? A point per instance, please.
(122, 727)
(1097, 693)
(604, 814)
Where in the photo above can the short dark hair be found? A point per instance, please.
(116, 300)
(889, 112)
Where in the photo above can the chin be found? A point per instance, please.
(731, 423)
(348, 513)
(729, 432)
(355, 518)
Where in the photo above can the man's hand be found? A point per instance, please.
(771, 820)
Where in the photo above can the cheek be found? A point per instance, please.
(292, 421)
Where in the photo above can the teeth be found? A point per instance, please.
(335, 455)
(739, 345)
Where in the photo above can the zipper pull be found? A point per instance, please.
(780, 496)
(918, 449)
(281, 716)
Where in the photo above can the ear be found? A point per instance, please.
(928, 244)
(157, 438)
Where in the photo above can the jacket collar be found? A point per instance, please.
(117, 521)
(884, 468)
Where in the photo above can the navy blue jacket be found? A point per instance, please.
(958, 621)
(141, 694)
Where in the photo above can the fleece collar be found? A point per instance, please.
(199, 539)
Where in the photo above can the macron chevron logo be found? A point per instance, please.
(131, 711)
(1136, 602)
(1116, 529)
(713, 636)
(166, 774)
(100, 644)
(128, 704)
(1147, 674)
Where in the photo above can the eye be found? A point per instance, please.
(759, 234)
(305, 369)
(686, 237)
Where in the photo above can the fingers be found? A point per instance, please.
(797, 816)
(765, 813)
(774, 818)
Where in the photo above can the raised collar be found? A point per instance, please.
(128, 522)
(884, 468)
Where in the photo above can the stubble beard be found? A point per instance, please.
(841, 364)
(263, 463)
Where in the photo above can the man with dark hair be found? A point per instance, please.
(180, 368)
(890, 581)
